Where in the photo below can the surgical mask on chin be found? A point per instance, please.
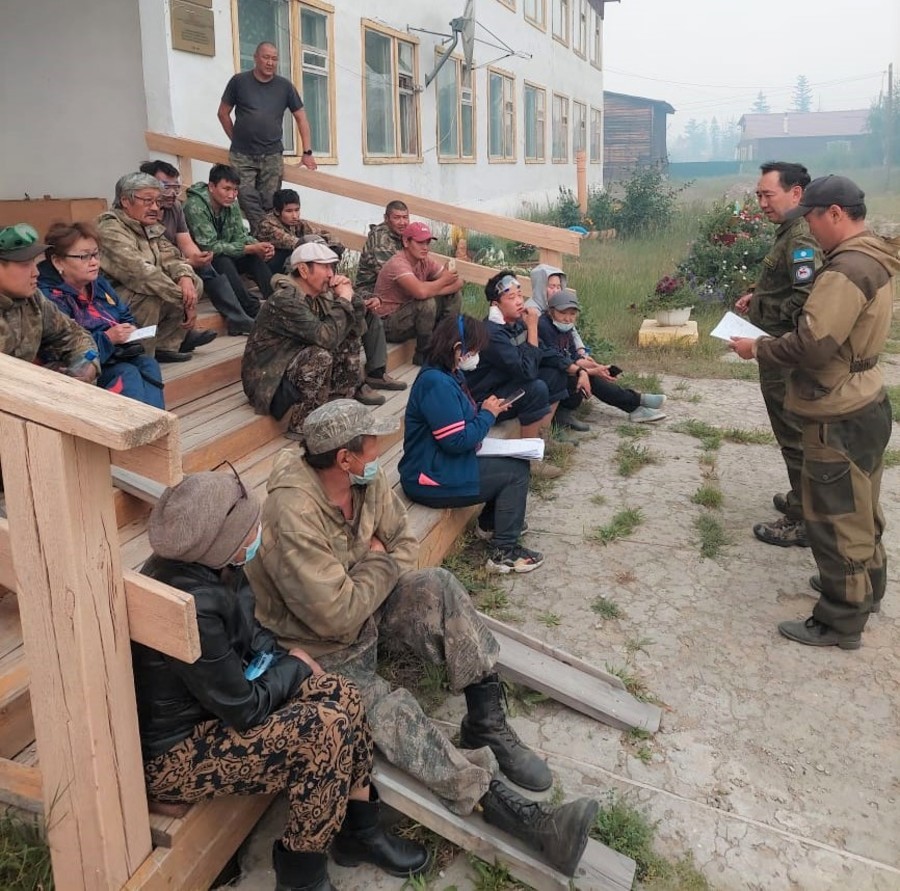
(369, 472)
(252, 548)
(495, 315)
(469, 362)
(564, 326)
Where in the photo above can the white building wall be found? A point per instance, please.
(73, 106)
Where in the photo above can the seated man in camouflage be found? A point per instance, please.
(31, 326)
(304, 347)
(336, 575)
(383, 241)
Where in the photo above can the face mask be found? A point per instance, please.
(251, 550)
(495, 315)
(369, 472)
(469, 362)
(564, 326)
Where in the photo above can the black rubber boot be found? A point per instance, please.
(362, 839)
(300, 870)
(559, 835)
(485, 724)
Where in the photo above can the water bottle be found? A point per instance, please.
(80, 364)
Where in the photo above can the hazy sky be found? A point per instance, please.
(711, 57)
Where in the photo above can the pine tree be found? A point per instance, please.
(715, 139)
(803, 97)
(760, 106)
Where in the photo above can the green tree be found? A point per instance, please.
(879, 114)
(715, 139)
(803, 97)
(697, 139)
(760, 104)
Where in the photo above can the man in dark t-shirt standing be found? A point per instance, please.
(259, 98)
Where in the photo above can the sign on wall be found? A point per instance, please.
(193, 27)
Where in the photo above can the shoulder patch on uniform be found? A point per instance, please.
(803, 253)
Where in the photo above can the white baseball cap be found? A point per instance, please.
(313, 252)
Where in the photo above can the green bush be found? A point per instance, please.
(648, 203)
(601, 209)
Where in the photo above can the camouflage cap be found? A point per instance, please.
(334, 424)
(20, 242)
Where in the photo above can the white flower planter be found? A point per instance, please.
(673, 317)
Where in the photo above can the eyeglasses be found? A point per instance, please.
(147, 202)
(171, 187)
(85, 257)
(240, 483)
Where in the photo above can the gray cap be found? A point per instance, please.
(564, 299)
(825, 191)
(334, 424)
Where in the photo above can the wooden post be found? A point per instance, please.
(65, 550)
(581, 179)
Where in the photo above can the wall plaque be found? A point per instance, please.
(193, 28)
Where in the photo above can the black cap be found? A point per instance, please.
(825, 191)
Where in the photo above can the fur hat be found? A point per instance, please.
(204, 519)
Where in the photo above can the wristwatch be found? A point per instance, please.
(307, 152)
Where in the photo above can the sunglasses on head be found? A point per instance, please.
(505, 283)
(240, 483)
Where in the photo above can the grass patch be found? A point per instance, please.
(741, 436)
(709, 435)
(630, 458)
(551, 620)
(598, 499)
(643, 383)
(606, 609)
(624, 828)
(426, 681)
(633, 682)
(891, 457)
(492, 876)
(708, 496)
(707, 458)
(638, 645)
(892, 347)
(24, 855)
(521, 700)
(712, 536)
(632, 431)
(443, 853)
(466, 561)
(622, 525)
(894, 396)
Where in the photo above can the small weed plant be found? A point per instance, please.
(708, 496)
(621, 525)
(606, 608)
(24, 855)
(709, 435)
(712, 535)
(630, 458)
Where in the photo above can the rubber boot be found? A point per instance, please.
(362, 839)
(485, 724)
(223, 298)
(300, 870)
(559, 835)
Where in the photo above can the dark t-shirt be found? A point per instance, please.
(259, 112)
(173, 220)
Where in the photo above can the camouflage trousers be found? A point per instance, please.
(261, 177)
(320, 376)
(788, 432)
(428, 614)
(842, 467)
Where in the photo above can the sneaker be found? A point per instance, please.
(783, 532)
(567, 419)
(814, 634)
(367, 396)
(644, 415)
(488, 534)
(384, 382)
(653, 400)
(514, 559)
(815, 582)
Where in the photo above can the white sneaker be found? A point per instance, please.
(653, 400)
(644, 415)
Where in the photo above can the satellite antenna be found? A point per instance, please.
(464, 27)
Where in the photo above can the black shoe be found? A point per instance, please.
(780, 503)
(239, 329)
(485, 724)
(814, 633)
(300, 870)
(194, 339)
(567, 419)
(362, 839)
(559, 835)
(815, 582)
(172, 356)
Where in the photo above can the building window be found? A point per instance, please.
(596, 136)
(560, 128)
(456, 112)
(536, 13)
(317, 75)
(596, 39)
(391, 102)
(562, 20)
(535, 123)
(582, 21)
(501, 117)
(579, 127)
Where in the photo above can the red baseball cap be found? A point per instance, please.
(418, 232)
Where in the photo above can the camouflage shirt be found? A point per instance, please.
(287, 322)
(34, 326)
(380, 246)
(787, 276)
(285, 237)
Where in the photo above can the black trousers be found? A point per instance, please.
(612, 394)
(233, 267)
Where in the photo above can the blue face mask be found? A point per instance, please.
(253, 547)
(564, 326)
(369, 472)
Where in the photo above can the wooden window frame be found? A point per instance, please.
(528, 85)
(566, 38)
(584, 107)
(568, 101)
(459, 61)
(596, 40)
(542, 24)
(581, 50)
(591, 112)
(508, 75)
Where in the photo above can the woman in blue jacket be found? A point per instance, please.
(70, 278)
(444, 429)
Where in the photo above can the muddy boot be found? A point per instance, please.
(362, 839)
(300, 870)
(784, 533)
(543, 471)
(559, 835)
(485, 724)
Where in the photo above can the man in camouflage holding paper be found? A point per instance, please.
(336, 574)
(837, 389)
(774, 305)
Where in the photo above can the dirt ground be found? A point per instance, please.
(777, 766)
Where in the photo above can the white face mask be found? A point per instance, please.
(495, 315)
(469, 362)
(564, 326)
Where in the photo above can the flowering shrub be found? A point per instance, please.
(671, 292)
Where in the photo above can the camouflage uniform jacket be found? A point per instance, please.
(787, 276)
(316, 580)
(287, 322)
(842, 329)
(141, 260)
(380, 246)
(285, 237)
(223, 232)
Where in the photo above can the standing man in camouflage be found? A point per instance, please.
(837, 389)
(259, 99)
(336, 574)
(774, 305)
(31, 326)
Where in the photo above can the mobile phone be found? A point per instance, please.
(614, 370)
(514, 398)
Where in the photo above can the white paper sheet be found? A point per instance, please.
(494, 447)
(733, 325)
(142, 333)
